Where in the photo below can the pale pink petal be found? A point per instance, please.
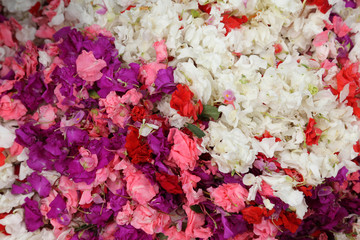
(321, 38)
(88, 67)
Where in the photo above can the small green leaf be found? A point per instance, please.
(93, 94)
(196, 208)
(195, 13)
(161, 236)
(195, 130)
(210, 112)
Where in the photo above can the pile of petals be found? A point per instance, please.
(113, 128)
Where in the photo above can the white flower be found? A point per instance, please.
(18, 5)
(9, 201)
(7, 137)
(7, 177)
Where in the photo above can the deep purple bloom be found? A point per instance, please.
(40, 184)
(350, 4)
(233, 225)
(32, 215)
(58, 206)
(164, 202)
(119, 200)
(39, 158)
(23, 188)
(99, 215)
(27, 134)
(76, 136)
(164, 81)
(127, 232)
(85, 235)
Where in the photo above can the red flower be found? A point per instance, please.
(169, 182)
(137, 147)
(253, 215)
(205, 8)
(294, 174)
(266, 134)
(138, 113)
(322, 5)
(231, 22)
(349, 75)
(312, 133)
(289, 220)
(2, 227)
(2, 157)
(181, 100)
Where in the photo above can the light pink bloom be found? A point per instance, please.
(131, 97)
(47, 115)
(119, 113)
(161, 52)
(340, 27)
(148, 72)
(189, 182)
(184, 152)
(137, 184)
(16, 149)
(149, 220)
(88, 67)
(45, 31)
(88, 161)
(173, 234)
(265, 230)
(231, 196)
(195, 222)
(11, 108)
(125, 215)
(94, 30)
(68, 190)
(109, 231)
(86, 197)
(321, 38)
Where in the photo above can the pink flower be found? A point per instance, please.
(161, 52)
(173, 234)
(47, 115)
(137, 184)
(68, 190)
(265, 230)
(45, 31)
(231, 196)
(94, 30)
(16, 149)
(148, 72)
(195, 222)
(86, 197)
(184, 152)
(321, 38)
(124, 216)
(88, 67)
(131, 97)
(109, 231)
(149, 220)
(119, 113)
(340, 28)
(188, 184)
(11, 108)
(88, 161)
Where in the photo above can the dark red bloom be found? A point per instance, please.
(169, 182)
(253, 215)
(312, 133)
(181, 100)
(231, 22)
(289, 220)
(138, 113)
(137, 147)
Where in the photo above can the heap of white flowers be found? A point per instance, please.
(274, 92)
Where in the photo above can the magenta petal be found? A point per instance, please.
(41, 185)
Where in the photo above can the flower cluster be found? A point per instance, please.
(179, 120)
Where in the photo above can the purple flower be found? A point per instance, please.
(126, 232)
(99, 215)
(58, 206)
(40, 184)
(76, 136)
(39, 158)
(32, 215)
(164, 81)
(23, 188)
(164, 202)
(233, 225)
(27, 134)
(85, 235)
(350, 4)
